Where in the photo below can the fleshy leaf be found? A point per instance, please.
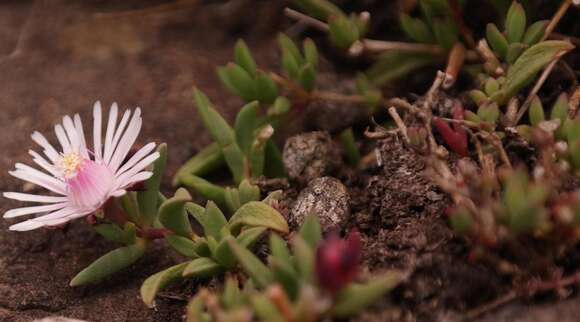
(173, 216)
(416, 29)
(201, 268)
(526, 67)
(515, 24)
(184, 246)
(356, 297)
(205, 161)
(245, 126)
(109, 264)
(311, 231)
(110, 232)
(259, 273)
(248, 237)
(244, 58)
(258, 214)
(214, 220)
(156, 282)
(304, 258)
(148, 198)
(205, 189)
(496, 40)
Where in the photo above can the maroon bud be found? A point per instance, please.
(337, 261)
(456, 139)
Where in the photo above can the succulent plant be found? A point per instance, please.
(314, 281)
(211, 253)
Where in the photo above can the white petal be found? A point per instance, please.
(62, 213)
(40, 179)
(33, 198)
(26, 226)
(72, 134)
(97, 127)
(137, 168)
(60, 217)
(33, 210)
(127, 142)
(81, 134)
(110, 131)
(141, 176)
(118, 193)
(38, 159)
(137, 157)
(120, 129)
(49, 150)
(62, 139)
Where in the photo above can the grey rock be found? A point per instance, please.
(326, 198)
(312, 155)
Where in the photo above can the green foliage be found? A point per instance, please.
(300, 67)
(244, 79)
(212, 253)
(286, 288)
(139, 211)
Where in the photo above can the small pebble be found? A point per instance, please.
(326, 198)
(312, 155)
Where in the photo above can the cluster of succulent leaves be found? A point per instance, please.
(287, 288)
(211, 253)
(344, 29)
(246, 149)
(130, 220)
(435, 27)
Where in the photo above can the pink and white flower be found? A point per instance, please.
(83, 180)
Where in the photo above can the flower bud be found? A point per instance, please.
(337, 261)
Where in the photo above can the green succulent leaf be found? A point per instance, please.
(245, 125)
(208, 159)
(109, 264)
(536, 112)
(394, 65)
(311, 232)
(343, 31)
(259, 273)
(214, 220)
(248, 192)
(527, 66)
(172, 214)
(514, 51)
(184, 246)
(248, 237)
(257, 155)
(515, 24)
(286, 275)
(266, 309)
(356, 297)
(416, 29)
(267, 91)
(310, 52)
(497, 40)
(130, 206)
(445, 32)
(222, 133)
(111, 232)
(304, 258)
(223, 253)
(279, 250)
(319, 9)
(202, 267)
(205, 189)
(307, 77)
(244, 58)
(148, 198)
(258, 214)
(156, 282)
(535, 32)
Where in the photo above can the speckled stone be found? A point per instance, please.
(312, 155)
(325, 197)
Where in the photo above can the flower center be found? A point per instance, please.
(69, 164)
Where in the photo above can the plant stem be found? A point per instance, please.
(535, 90)
(556, 18)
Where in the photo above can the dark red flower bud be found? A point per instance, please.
(337, 261)
(456, 138)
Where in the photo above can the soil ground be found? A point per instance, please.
(68, 57)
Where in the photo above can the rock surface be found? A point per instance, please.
(326, 198)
